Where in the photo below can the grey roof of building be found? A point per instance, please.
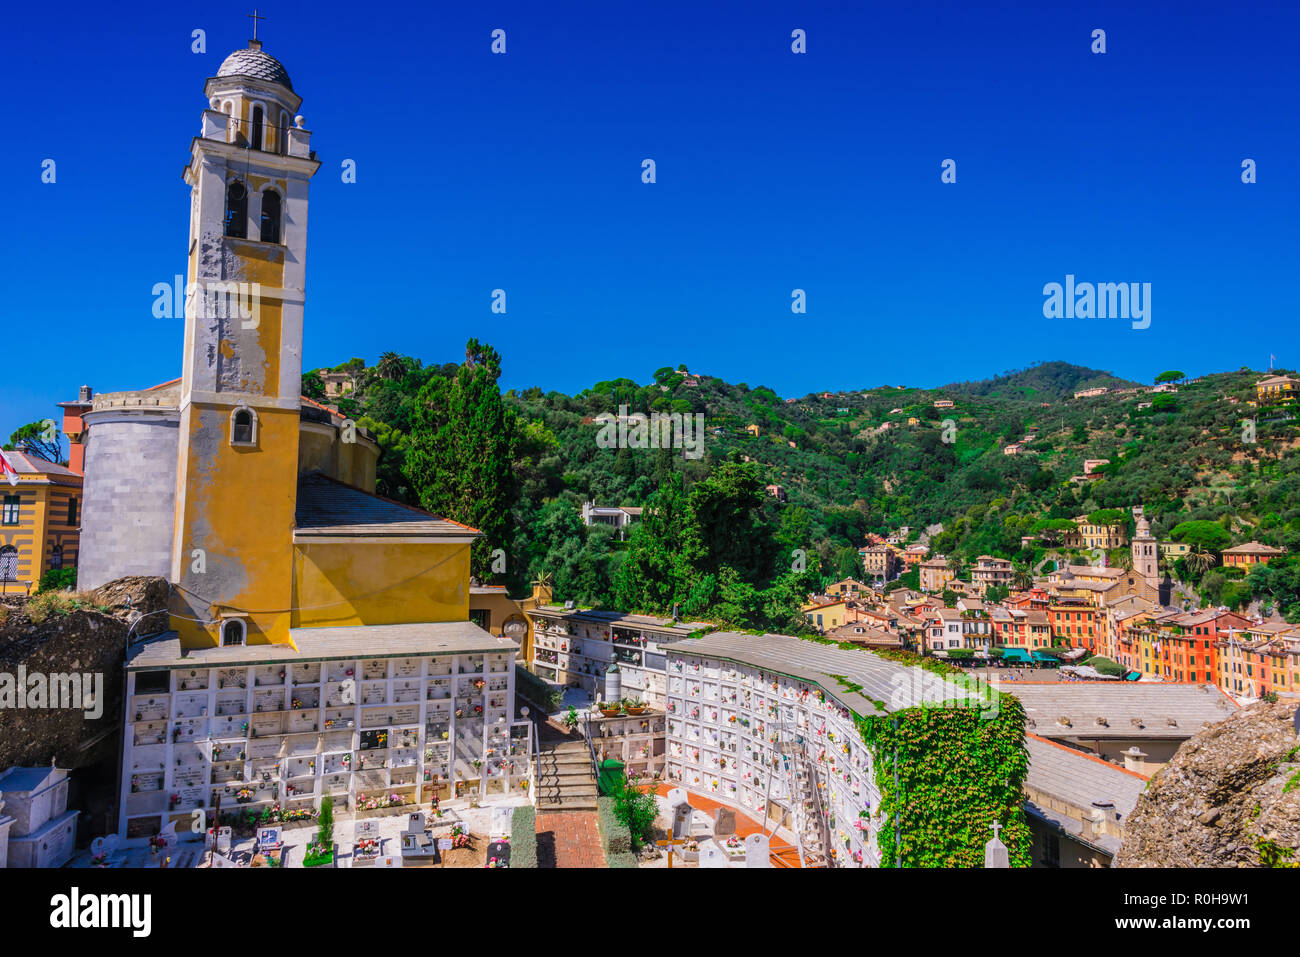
(896, 685)
(343, 643)
(1128, 709)
(255, 63)
(1077, 780)
(328, 509)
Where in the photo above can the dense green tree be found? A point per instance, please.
(41, 439)
(461, 452)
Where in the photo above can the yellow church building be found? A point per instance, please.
(319, 638)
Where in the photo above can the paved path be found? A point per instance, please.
(568, 839)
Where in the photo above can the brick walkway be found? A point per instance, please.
(568, 839)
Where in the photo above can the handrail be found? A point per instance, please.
(535, 771)
(591, 748)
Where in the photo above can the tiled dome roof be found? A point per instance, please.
(253, 62)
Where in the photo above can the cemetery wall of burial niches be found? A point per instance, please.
(371, 733)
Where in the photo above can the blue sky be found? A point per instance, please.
(775, 171)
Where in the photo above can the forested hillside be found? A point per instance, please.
(850, 462)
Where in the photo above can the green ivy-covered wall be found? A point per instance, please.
(959, 771)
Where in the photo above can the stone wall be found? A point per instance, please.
(129, 494)
(86, 640)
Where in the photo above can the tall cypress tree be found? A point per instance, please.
(462, 448)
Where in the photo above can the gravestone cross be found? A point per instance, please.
(995, 852)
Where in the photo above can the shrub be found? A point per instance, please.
(625, 859)
(57, 579)
(1107, 666)
(636, 810)
(49, 603)
(523, 836)
(616, 838)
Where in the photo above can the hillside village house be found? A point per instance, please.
(1258, 659)
(1174, 550)
(989, 572)
(943, 403)
(39, 519)
(935, 573)
(879, 561)
(1177, 646)
(1088, 535)
(914, 555)
(1276, 388)
(847, 588)
(619, 517)
(1021, 628)
(1248, 555)
(826, 615)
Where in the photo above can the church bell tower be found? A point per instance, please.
(240, 401)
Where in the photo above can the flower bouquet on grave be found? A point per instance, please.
(497, 862)
(459, 836)
(478, 709)
(733, 843)
(99, 860)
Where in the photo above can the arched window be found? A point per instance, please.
(233, 631)
(243, 426)
(257, 128)
(237, 210)
(56, 557)
(8, 564)
(270, 216)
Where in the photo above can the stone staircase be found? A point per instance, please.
(564, 777)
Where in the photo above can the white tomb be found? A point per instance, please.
(42, 831)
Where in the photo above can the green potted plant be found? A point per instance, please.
(570, 719)
(608, 708)
(634, 706)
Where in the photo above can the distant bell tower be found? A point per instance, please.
(241, 384)
(1146, 552)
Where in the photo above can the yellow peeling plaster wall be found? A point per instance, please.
(235, 505)
(232, 549)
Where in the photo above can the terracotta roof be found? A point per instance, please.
(34, 470)
(1253, 548)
